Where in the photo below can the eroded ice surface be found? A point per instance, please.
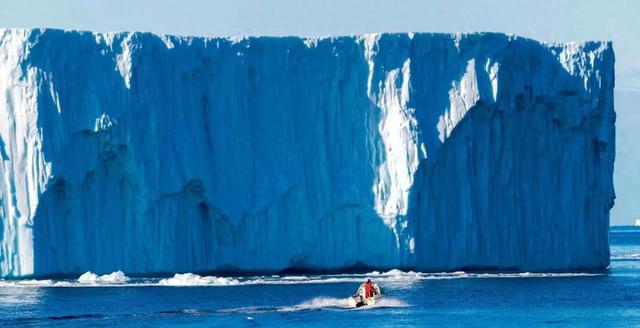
(148, 153)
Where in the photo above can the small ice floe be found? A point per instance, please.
(90, 278)
(191, 279)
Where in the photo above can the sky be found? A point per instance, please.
(559, 20)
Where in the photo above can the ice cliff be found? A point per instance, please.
(148, 153)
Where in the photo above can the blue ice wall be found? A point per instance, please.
(148, 153)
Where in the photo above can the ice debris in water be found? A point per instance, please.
(396, 275)
(393, 278)
(117, 277)
(191, 279)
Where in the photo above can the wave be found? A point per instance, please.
(623, 257)
(396, 278)
(625, 253)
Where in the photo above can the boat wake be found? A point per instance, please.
(341, 303)
(319, 303)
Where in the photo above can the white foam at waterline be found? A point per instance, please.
(294, 278)
(35, 283)
(396, 275)
(190, 279)
(393, 279)
(117, 277)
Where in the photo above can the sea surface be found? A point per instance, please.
(610, 299)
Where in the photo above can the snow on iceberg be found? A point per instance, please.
(432, 152)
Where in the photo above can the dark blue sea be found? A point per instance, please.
(610, 299)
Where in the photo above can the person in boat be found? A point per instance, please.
(368, 289)
(366, 294)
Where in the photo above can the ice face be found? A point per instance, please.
(148, 153)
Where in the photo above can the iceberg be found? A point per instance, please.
(433, 152)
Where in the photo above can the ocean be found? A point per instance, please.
(606, 299)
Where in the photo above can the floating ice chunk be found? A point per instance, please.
(88, 278)
(114, 278)
(117, 277)
(190, 279)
